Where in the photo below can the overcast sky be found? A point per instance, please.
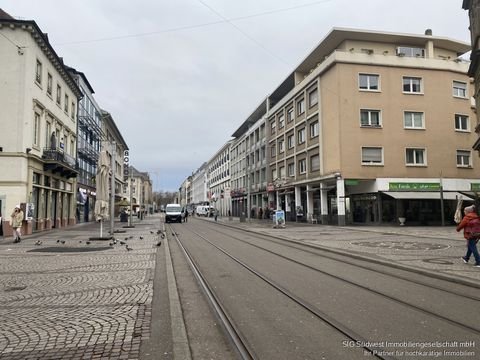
(179, 77)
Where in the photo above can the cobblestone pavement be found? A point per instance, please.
(75, 300)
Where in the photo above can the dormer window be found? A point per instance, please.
(410, 51)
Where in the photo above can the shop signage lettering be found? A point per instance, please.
(396, 186)
(126, 160)
(351, 182)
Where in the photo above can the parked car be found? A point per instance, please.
(173, 213)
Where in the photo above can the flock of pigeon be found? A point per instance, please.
(123, 242)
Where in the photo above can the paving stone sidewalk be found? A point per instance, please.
(69, 299)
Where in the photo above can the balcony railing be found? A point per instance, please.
(57, 160)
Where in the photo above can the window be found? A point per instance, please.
(273, 127)
(314, 129)
(410, 51)
(59, 94)
(368, 82)
(300, 106)
(273, 151)
(461, 122)
(49, 84)
(412, 85)
(274, 174)
(291, 169)
(463, 158)
(38, 72)
(370, 118)
(415, 157)
(301, 136)
(302, 166)
(281, 146)
(36, 129)
(372, 156)
(282, 172)
(281, 121)
(313, 97)
(315, 163)
(290, 114)
(66, 104)
(73, 111)
(413, 120)
(290, 141)
(459, 89)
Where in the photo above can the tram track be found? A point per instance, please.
(325, 253)
(426, 310)
(242, 346)
(360, 286)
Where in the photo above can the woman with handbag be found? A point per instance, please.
(471, 232)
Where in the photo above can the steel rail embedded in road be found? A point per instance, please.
(349, 333)
(382, 294)
(232, 332)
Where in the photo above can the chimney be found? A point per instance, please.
(428, 32)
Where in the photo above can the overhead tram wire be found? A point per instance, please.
(188, 27)
(244, 33)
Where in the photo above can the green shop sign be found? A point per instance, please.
(395, 186)
(475, 186)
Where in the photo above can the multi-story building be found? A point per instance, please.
(218, 178)
(248, 164)
(473, 7)
(141, 188)
(39, 99)
(199, 185)
(89, 137)
(115, 146)
(374, 127)
(238, 172)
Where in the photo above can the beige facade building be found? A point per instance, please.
(473, 7)
(39, 101)
(115, 146)
(373, 127)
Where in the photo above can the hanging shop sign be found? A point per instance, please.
(126, 161)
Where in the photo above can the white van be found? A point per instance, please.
(201, 210)
(173, 213)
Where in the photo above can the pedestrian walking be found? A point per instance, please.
(471, 232)
(216, 214)
(186, 215)
(1, 224)
(17, 219)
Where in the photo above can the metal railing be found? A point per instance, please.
(56, 154)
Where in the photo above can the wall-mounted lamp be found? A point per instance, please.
(28, 150)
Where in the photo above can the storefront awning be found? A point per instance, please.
(425, 195)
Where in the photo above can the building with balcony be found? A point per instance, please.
(372, 127)
(89, 136)
(39, 100)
